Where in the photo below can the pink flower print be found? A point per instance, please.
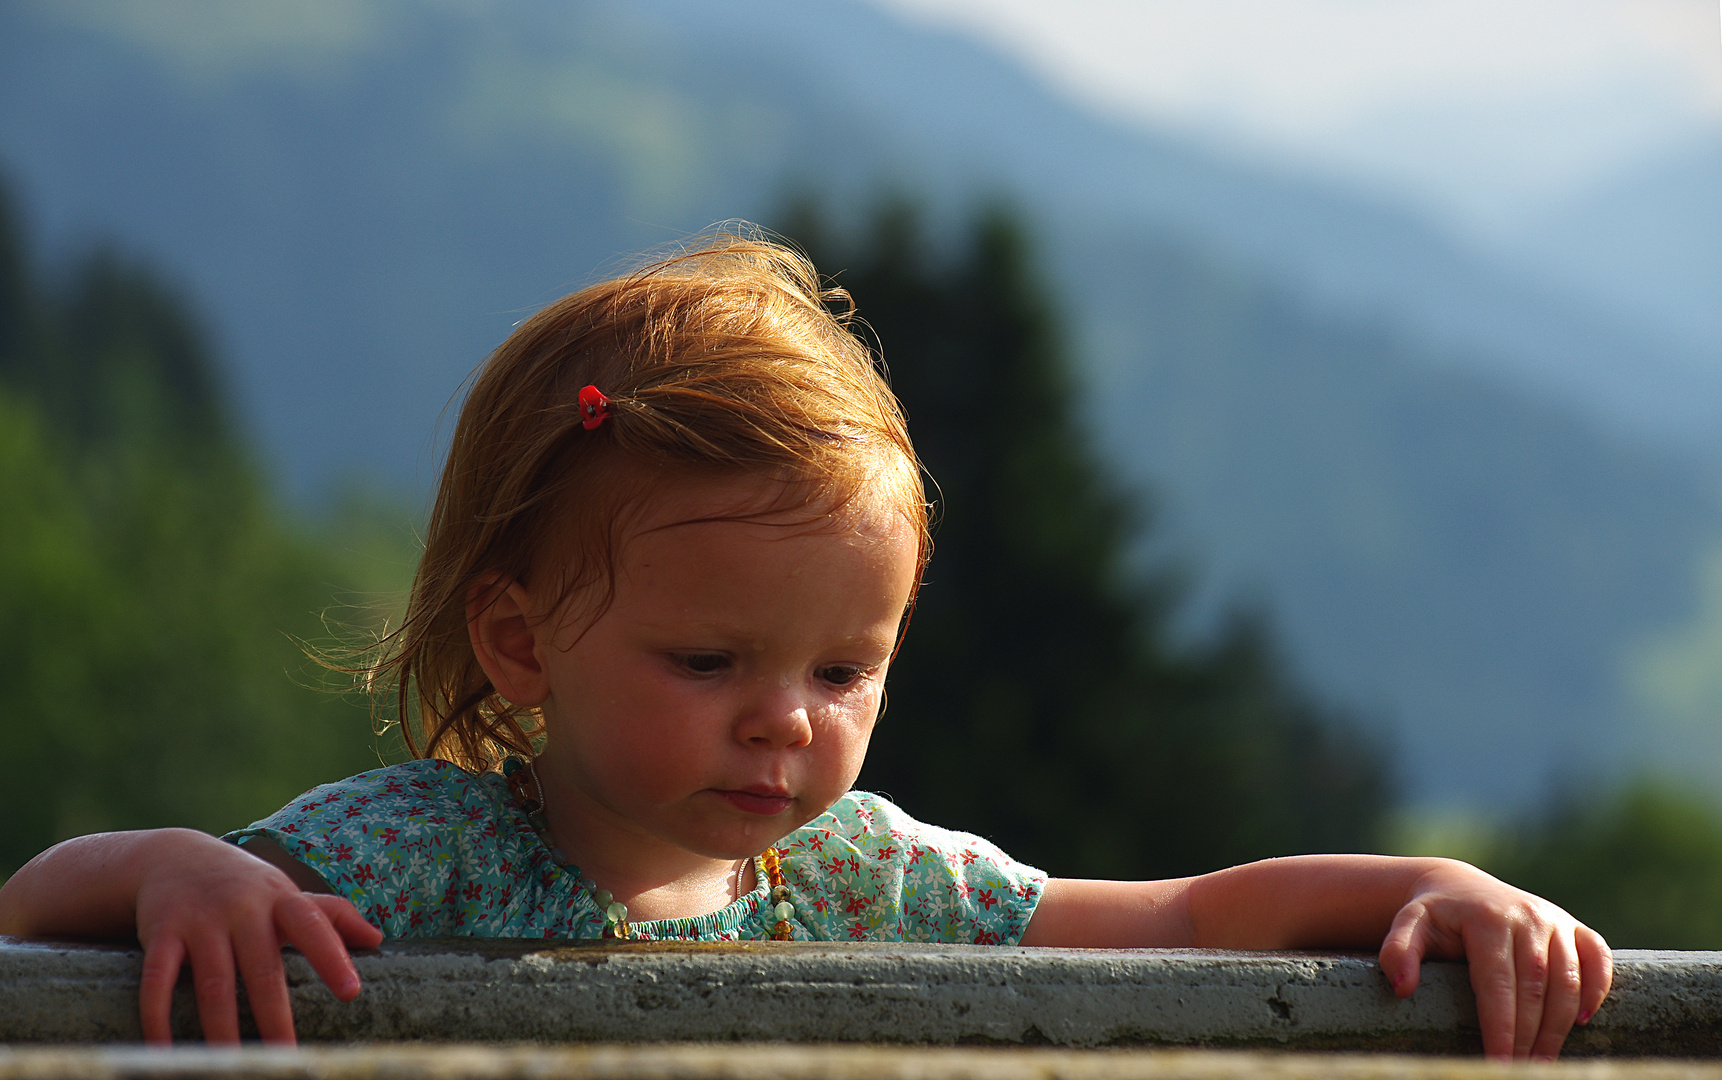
(378, 915)
(821, 905)
(353, 811)
(987, 899)
(986, 937)
(858, 933)
(815, 843)
(915, 853)
(856, 903)
(969, 856)
(472, 891)
(885, 854)
(333, 796)
(416, 919)
(363, 874)
(388, 836)
(401, 900)
(343, 853)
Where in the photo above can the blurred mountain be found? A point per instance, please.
(1467, 494)
(1647, 245)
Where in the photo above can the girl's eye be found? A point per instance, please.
(703, 663)
(841, 674)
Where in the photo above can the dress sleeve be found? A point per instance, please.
(866, 871)
(402, 843)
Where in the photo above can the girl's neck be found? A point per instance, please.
(654, 879)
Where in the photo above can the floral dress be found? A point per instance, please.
(427, 849)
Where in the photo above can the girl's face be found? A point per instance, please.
(727, 694)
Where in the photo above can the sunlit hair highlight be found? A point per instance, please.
(726, 359)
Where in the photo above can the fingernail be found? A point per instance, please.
(1584, 1017)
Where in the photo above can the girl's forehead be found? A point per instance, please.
(778, 507)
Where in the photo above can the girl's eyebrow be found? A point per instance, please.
(679, 628)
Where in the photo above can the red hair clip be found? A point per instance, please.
(594, 407)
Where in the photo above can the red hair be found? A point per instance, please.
(724, 360)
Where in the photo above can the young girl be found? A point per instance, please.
(673, 551)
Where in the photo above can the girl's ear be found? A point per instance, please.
(502, 624)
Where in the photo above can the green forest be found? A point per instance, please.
(153, 596)
(159, 606)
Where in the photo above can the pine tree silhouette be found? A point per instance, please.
(1041, 697)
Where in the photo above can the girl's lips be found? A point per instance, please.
(749, 802)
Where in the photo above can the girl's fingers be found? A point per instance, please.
(1489, 950)
(1561, 1007)
(1531, 966)
(1403, 950)
(259, 957)
(212, 978)
(304, 924)
(352, 926)
(1596, 963)
(162, 961)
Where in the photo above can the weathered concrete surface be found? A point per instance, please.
(1665, 1004)
(756, 1062)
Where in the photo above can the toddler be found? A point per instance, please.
(673, 551)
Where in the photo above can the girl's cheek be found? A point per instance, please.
(853, 721)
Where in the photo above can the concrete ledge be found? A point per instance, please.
(1664, 1004)
(752, 1061)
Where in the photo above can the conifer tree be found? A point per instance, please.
(150, 595)
(1041, 697)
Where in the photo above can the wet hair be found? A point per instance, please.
(725, 360)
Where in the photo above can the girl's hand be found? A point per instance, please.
(189, 896)
(209, 902)
(1535, 969)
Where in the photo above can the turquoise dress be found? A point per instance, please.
(426, 849)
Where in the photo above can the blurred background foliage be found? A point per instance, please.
(155, 598)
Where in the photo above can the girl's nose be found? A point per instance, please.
(779, 718)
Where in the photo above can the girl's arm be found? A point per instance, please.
(188, 896)
(1535, 969)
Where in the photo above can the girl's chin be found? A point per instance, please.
(743, 843)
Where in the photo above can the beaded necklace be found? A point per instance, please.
(529, 793)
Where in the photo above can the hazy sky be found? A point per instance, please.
(1483, 110)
